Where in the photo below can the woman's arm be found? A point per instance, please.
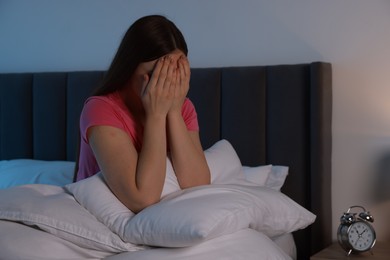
(137, 179)
(186, 150)
(186, 153)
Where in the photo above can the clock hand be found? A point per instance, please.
(357, 231)
(359, 236)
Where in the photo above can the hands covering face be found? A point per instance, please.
(167, 87)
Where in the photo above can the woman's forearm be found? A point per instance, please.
(151, 165)
(186, 153)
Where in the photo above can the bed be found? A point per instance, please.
(266, 131)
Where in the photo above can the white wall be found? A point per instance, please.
(47, 35)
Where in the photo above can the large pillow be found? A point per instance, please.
(97, 198)
(190, 216)
(27, 171)
(53, 210)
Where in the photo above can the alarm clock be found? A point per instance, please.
(355, 233)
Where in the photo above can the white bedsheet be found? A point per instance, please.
(19, 241)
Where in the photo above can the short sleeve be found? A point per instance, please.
(190, 116)
(99, 111)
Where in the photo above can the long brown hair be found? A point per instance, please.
(147, 39)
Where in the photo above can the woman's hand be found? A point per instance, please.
(159, 92)
(182, 84)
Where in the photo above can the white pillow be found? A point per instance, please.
(55, 211)
(258, 174)
(190, 216)
(223, 162)
(277, 177)
(98, 199)
(27, 171)
(225, 168)
(272, 176)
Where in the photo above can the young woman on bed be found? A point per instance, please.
(140, 115)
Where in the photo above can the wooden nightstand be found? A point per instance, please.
(381, 251)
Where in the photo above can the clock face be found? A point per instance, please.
(361, 236)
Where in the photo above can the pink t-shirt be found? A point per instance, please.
(111, 111)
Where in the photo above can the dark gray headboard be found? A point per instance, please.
(271, 114)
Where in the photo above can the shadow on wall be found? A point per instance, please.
(381, 192)
(381, 196)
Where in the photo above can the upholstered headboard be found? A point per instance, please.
(271, 115)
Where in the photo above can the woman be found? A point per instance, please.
(140, 115)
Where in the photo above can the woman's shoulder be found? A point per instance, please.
(106, 101)
(106, 104)
(109, 98)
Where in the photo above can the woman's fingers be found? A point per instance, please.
(171, 66)
(185, 73)
(162, 74)
(155, 75)
(161, 88)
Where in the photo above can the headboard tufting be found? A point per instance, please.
(271, 115)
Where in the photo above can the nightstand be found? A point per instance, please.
(381, 251)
